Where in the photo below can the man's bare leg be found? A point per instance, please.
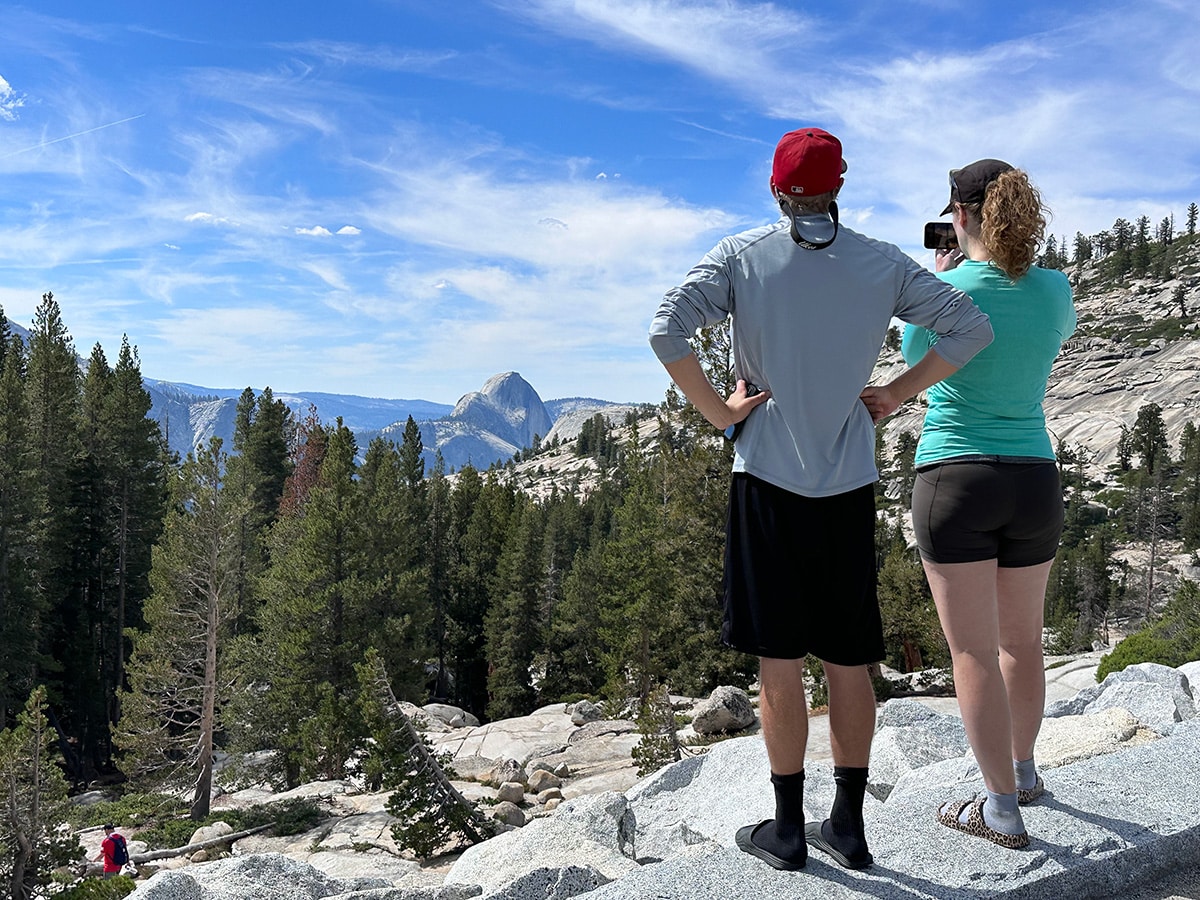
(784, 715)
(851, 714)
(851, 727)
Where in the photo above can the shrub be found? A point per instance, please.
(99, 889)
(1171, 640)
(1139, 647)
(293, 816)
(130, 811)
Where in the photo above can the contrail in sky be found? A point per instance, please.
(72, 136)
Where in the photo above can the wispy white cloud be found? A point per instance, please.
(383, 57)
(724, 40)
(481, 243)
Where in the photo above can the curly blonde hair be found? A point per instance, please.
(1012, 222)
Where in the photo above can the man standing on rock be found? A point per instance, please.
(811, 303)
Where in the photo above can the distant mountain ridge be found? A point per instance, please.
(486, 426)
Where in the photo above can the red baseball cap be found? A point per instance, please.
(807, 161)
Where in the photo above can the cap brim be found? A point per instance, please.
(816, 228)
(949, 208)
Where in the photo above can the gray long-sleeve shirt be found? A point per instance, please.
(808, 326)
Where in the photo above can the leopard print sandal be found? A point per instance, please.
(976, 826)
(1028, 795)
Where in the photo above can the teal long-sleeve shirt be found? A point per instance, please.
(992, 406)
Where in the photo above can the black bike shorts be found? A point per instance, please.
(800, 574)
(1011, 512)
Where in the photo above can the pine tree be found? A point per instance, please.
(1083, 249)
(692, 486)
(1189, 487)
(635, 588)
(481, 515)
(133, 458)
(307, 646)
(389, 566)
(18, 599)
(33, 803)
(1164, 234)
(1049, 255)
(512, 638)
(412, 462)
(1191, 218)
(428, 810)
(1149, 437)
(1140, 258)
(62, 550)
(258, 471)
(910, 622)
(172, 712)
(439, 563)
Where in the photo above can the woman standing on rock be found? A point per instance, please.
(987, 505)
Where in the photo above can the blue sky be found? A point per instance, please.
(399, 199)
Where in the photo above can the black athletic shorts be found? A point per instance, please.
(1011, 512)
(800, 574)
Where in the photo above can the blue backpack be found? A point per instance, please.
(120, 853)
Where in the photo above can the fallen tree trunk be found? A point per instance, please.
(95, 868)
(199, 845)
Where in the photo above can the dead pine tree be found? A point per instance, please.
(430, 813)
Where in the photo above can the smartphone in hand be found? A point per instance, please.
(940, 236)
(735, 429)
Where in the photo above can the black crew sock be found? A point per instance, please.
(784, 836)
(844, 827)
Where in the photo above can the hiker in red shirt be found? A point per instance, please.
(113, 851)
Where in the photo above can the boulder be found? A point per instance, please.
(210, 832)
(726, 709)
(264, 877)
(505, 770)
(552, 884)
(1068, 739)
(509, 813)
(1191, 671)
(1172, 682)
(541, 779)
(909, 736)
(451, 715)
(511, 792)
(1149, 703)
(596, 830)
(585, 711)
